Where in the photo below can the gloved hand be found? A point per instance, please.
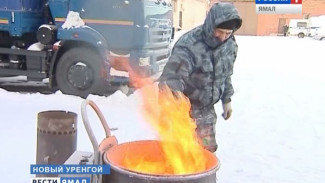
(227, 110)
(177, 94)
(165, 88)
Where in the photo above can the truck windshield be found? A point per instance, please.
(157, 14)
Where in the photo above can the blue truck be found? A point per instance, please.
(84, 46)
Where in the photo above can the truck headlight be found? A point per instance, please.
(144, 61)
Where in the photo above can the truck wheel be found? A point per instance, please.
(78, 72)
(301, 35)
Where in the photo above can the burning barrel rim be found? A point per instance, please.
(182, 177)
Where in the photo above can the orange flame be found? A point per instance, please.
(179, 151)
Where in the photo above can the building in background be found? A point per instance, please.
(190, 13)
(271, 24)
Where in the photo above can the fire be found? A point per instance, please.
(179, 151)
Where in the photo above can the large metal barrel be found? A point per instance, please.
(56, 136)
(119, 174)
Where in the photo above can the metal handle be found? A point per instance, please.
(97, 155)
(88, 128)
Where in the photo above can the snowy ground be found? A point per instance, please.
(276, 133)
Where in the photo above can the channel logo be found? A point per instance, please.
(60, 180)
(278, 6)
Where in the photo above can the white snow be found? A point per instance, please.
(275, 135)
(73, 20)
(36, 47)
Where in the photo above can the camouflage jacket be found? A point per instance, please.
(201, 65)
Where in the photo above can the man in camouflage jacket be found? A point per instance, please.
(200, 66)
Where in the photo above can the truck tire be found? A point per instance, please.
(301, 35)
(78, 72)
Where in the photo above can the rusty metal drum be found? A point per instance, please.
(56, 136)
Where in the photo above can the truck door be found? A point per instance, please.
(114, 19)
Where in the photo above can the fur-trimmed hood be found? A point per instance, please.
(219, 13)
